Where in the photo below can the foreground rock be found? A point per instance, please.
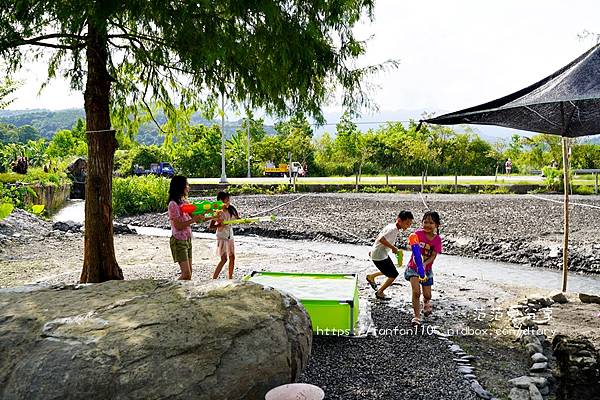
(150, 339)
(578, 368)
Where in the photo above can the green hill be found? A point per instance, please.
(47, 123)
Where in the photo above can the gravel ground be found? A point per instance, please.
(392, 366)
(509, 228)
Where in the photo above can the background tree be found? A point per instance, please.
(7, 88)
(387, 147)
(349, 145)
(125, 52)
(297, 134)
(198, 152)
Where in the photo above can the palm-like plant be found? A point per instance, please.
(35, 151)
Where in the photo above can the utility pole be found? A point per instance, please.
(223, 174)
(249, 173)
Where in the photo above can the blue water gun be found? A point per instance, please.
(413, 241)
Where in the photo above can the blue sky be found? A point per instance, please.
(453, 54)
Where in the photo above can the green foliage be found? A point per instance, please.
(198, 152)
(67, 143)
(440, 189)
(553, 178)
(138, 195)
(141, 155)
(15, 194)
(492, 189)
(235, 190)
(35, 175)
(585, 156)
(14, 134)
(236, 154)
(5, 210)
(193, 48)
(37, 208)
(583, 189)
(45, 123)
(379, 189)
(349, 145)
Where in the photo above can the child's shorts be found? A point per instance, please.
(409, 273)
(386, 267)
(225, 247)
(181, 250)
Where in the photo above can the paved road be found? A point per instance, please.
(378, 179)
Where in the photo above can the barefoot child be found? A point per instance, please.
(225, 245)
(431, 245)
(380, 253)
(181, 232)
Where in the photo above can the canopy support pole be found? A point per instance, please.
(565, 150)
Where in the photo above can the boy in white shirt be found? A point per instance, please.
(380, 252)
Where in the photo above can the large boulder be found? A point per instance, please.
(150, 340)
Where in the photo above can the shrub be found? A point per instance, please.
(491, 189)
(583, 189)
(138, 195)
(15, 194)
(552, 178)
(379, 189)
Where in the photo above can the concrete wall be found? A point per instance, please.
(50, 196)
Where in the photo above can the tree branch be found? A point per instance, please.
(37, 41)
(138, 38)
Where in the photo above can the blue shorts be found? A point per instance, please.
(409, 273)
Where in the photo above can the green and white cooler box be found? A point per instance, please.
(331, 300)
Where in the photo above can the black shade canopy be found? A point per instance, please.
(566, 103)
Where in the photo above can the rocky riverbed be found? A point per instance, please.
(510, 228)
(35, 251)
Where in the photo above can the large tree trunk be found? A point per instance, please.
(99, 263)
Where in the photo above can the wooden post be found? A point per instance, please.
(596, 187)
(295, 176)
(290, 166)
(422, 181)
(565, 148)
(455, 183)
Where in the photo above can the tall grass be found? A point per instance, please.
(140, 194)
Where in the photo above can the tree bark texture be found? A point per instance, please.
(99, 264)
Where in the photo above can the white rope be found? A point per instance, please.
(279, 206)
(562, 202)
(102, 130)
(325, 224)
(423, 200)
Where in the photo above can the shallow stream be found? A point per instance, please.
(471, 269)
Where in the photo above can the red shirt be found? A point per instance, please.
(427, 247)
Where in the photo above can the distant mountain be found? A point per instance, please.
(47, 123)
(489, 133)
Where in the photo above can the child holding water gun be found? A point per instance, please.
(225, 244)
(380, 252)
(181, 231)
(430, 244)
